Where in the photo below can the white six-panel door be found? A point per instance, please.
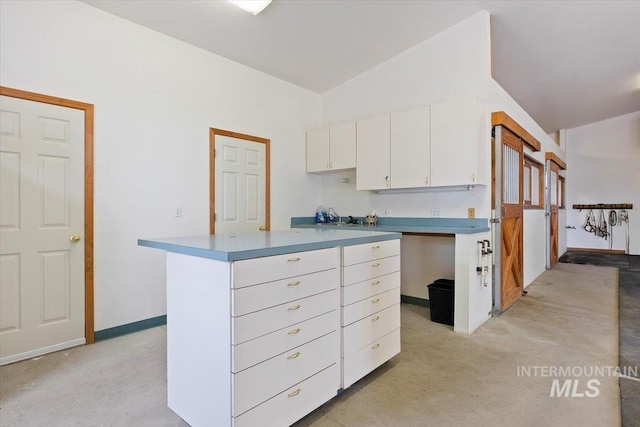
(240, 190)
(41, 208)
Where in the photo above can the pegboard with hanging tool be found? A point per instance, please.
(618, 217)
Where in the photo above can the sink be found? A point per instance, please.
(339, 224)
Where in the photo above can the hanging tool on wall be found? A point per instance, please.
(602, 230)
(590, 225)
(624, 217)
(484, 260)
(613, 221)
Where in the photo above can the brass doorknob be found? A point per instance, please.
(74, 238)
(262, 228)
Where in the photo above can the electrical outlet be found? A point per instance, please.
(178, 212)
(435, 212)
(386, 212)
(472, 212)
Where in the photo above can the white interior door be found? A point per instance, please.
(240, 185)
(41, 208)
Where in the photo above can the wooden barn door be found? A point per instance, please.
(508, 170)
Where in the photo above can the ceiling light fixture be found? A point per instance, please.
(252, 6)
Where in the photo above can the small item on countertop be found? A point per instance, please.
(321, 215)
(333, 216)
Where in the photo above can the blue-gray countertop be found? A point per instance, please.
(237, 246)
(407, 225)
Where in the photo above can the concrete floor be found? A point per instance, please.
(569, 318)
(629, 318)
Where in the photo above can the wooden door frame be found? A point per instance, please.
(88, 109)
(212, 173)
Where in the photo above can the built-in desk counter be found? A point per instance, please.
(473, 300)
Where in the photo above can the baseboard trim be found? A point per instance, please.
(603, 251)
(141, 325)
(41, 351)
(422, 302)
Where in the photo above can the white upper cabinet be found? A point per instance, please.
(411, 148)
(318, 150)
(342, 146)
(331, 148)
(458, 138)
(373, 153)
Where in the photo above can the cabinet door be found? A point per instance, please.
(373, 152)
(455, 138)
(318, 150)
(410, 148)
(342, 146)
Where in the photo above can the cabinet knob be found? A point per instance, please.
(375, 247)
(294, 259)
(375, 346)
(296, 283)
(294, 331)
(294, 355)
(375, 300)
(377, 282)
(375, 318)
(426, 180)
(294, 307)
(377, 264)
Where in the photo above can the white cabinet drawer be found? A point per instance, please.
(295, 402)
(269, 378)
(359, 291)
(368, 306)
(262, 322)
(253, 298)
(362, 332)
(369, 357)
(260, 349)
(369, 251)
(267, 269)
(358, 272)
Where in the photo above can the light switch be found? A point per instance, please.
(178, 212)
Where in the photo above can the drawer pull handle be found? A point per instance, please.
(296, 283)
(294, 307)
(295, 393)
(375, 346)
(377, 264)
(375, 247)
(294, 355)
(373, 301)
(294, 259)
(376, 318)
(294, 331)
(377, 282)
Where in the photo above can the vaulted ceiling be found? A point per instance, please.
(567, 63)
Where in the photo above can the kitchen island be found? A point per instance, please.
(262, 328)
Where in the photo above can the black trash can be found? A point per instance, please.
(441, 301)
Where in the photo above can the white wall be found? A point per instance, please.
(604, 167)
(155, 99)
(452, 64)
(534, 245)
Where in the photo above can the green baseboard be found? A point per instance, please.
(414, 300)
(130, 327)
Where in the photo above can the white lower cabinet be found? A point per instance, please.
(265, 341)
(370, 308)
